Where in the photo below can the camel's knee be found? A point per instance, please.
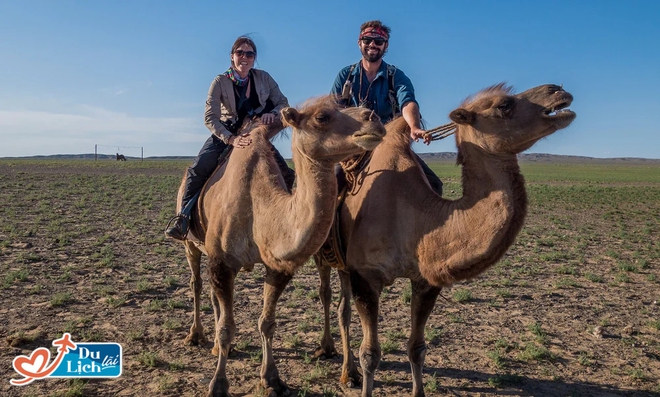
(416, 351)
(226, 335)
(267, 326)
(370, 358)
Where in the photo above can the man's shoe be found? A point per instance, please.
(178, 230)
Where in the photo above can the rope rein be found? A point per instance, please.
(441, 132)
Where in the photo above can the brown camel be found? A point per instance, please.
(395, 226)
(250, 217)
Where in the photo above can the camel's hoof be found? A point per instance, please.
(352, 380)
(195, 339)
(219, 388)
(274, 388)
(325, 353)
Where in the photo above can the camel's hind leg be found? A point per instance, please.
(194, 257)
(421, 306)
(350, 376)
(222, 280)
(273, 288)
(367, 296)
(327, 349)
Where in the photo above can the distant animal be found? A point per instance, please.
(120, 157)
(393, 225)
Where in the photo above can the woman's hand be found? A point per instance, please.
(240, 141)
(267, 118)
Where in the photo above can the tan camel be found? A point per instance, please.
(250, 217)
(395, 226)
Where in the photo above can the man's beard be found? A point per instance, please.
(372, 57)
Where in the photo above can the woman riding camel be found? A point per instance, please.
(239, 93)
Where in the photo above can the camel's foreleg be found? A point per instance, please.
(367, 296)
(222, 280)
(194, 257)
(274, 286)
(421, 306)
(216, 317)
(350, 376)
(327, 349)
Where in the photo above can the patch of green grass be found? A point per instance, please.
(406, 296)
(537, 330)
(175, 304)
(622, 278)
(16, 275)
(166, 382)
(135, 334)
(497, 358)
(155, 305)
(500, 381)
(76, 388)
(92, 336)
(116, 301)
(243, 344)
(637, 374)
(292, 341)
(170, 281)
(584, 359)
(149, 359)
(143, 285)
(462, 295)
(432, 384)
(566, 282)
(177, 366)
(388, 346)
(537, 353)
(594, 278)
(655, 324)
(627, 267)
(565, 269)
(60, 299)
(303, 326)
(432, 334)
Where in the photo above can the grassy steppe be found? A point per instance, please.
(572, 309)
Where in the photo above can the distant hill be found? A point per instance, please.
(549, 158)
(441, 156)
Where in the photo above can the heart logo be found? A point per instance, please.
(32, 366)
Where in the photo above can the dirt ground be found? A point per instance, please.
(572, 310)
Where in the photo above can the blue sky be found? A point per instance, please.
(128, 74)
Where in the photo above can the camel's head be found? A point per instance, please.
(503, 123)
(325, 132)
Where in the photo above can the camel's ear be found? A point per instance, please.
(462, 116)
(291, 117)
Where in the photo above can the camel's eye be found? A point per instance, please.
(322, 117)
(506, 105)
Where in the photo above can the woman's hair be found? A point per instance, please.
(243, 40)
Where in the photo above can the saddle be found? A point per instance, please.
(333, 250)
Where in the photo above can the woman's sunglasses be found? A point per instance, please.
(368, 40)
(248, 54)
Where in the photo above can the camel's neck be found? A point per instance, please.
(475, 231)
(303, 218)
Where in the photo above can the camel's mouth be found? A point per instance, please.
(368, 141)
(559, 111)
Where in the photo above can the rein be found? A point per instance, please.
(441, 132)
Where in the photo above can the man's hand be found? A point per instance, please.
(267, 118)
(417, 133)
(240, 141)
